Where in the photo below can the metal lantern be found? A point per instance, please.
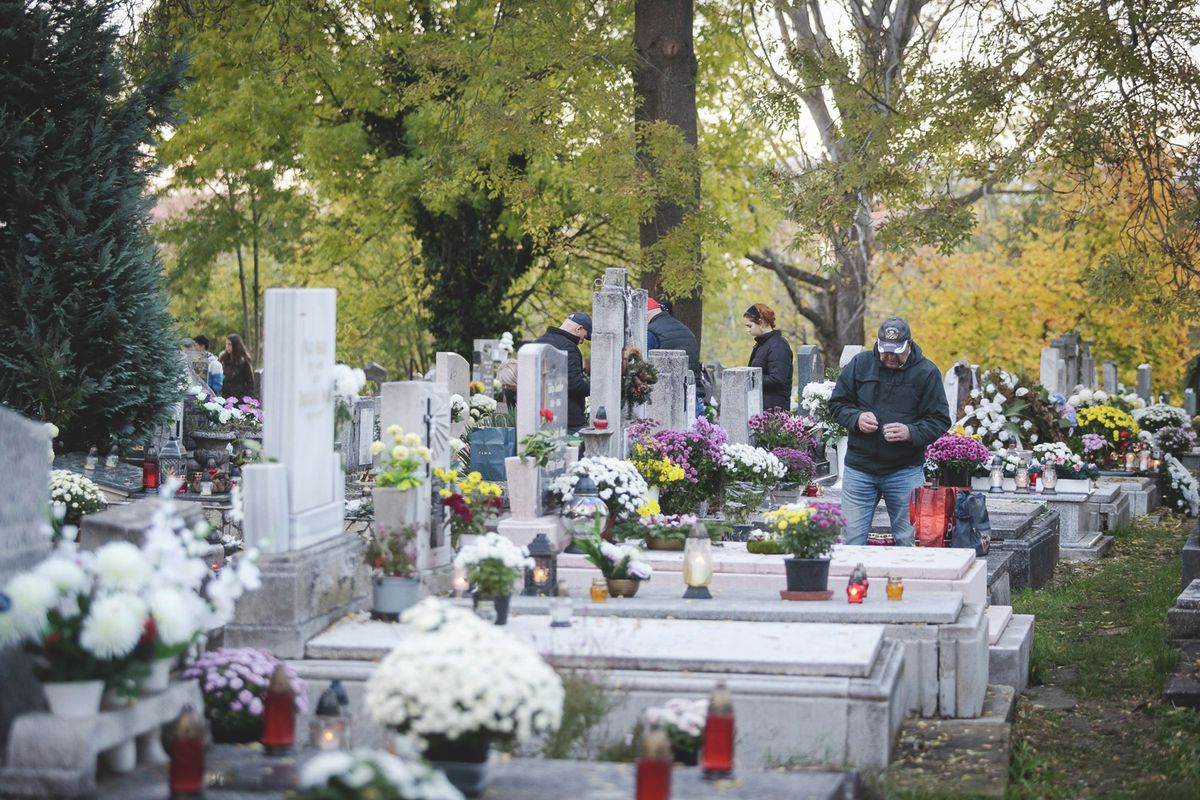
(585, 514)
(1049, 479)
(697, 564)
(996, 475)
(329, 729)
(172, 466)
(1022, 478)
(542, 577)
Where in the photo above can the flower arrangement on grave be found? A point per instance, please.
(1117, 427)
(459, 410)
(1093, 446)
(615, 561)
(798, 465)
(1066, 463)
(657, 469)
(338, 775)
(347, 383)
(638, 377)
(1180, 489)
(1082, 397)
(954, 453)
(665, 527)
(455, 680)
(403, 465)
(748, 473)
(683, 721)
(539, 446)
(618, 483)
(76, 494)
(1175, 439)
(697, 451)
(764, 543)
(234, 682)
(776, 429)
(471, 501)
(1126, 401)
(106, 616)
(815, 402)
(481, 408)
(806, 530)
(492, 564)
(1007, 410)
(1160, 415)
(227, 413)
(392, 553)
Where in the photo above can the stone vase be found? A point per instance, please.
(212, 444)
(840, 447)
(396, 509)
(74, 699)
(501, 601)
(123, 757)
(522, 475)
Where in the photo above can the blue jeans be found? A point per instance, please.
(861, 492)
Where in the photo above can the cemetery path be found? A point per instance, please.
(1093, 723)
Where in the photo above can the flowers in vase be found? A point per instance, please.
(807, 529)
(493, 564)
(1066, 463)
(798, 465)
(1175, 439)
(471, 501)
(664, 526)
(952, 453)
(481, 409)
(618, 483)
(746, 463)
(76, 494)
(402, 466)
(347, 383)
(1117, 427)
(682, 720)
(815, 401)
(1159, 415)
(1181, 492)
(777, 428)
(1093, 446)
(615, 561)
(234, 683)
(657, 469)
(233, 413)
(392, 553)
(540, 446)
(458, 408)
(697, 452)
(338, 775)
(456, 677)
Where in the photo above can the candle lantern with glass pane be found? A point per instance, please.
(542, 578)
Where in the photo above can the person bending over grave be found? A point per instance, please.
(664, 332)
(772, 354)
(891, 401)
(575, 329)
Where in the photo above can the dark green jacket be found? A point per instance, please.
(912, 394)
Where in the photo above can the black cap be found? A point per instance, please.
(583, 320)
(894, 335)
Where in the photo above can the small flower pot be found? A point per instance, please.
(464, 761)
(501, 602)
(622, 587)
(74, 699)
(160, 676)
(391, 596)
(807, 574)
(955, 477)
(657, 543)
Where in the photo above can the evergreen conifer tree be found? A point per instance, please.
(85, 338)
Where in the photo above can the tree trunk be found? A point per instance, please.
(256, 346)
(665, 82)
(855, 251)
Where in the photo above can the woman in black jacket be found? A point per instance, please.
(772, 354)
(239, 372)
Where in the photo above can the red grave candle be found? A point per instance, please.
(279, 714)
(717, 760)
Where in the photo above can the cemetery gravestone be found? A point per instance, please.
(668, 400)
(608, 343)
(1109, 369)
(849, 352)
(542, 384)
(454, 373)
(1145, 383)
(1068, 348)
(1051, 375)
(1189, 401)
(810, 366)
(741, 399)
(24, 541)
(487, 357)
(689, 400)
(1087, 366)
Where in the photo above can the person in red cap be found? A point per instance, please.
(664, 332)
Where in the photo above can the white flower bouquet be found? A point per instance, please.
(618, 482)
(458, 408)
(371, 773)
(347, 383)
(744, 462)
(1155, 417)
(76, 494)
(455, 677)
(615, 561)
(683, 721)
(1182, 490)
(493, 563)
(482, 408)
(1082, 397)
(815, 402)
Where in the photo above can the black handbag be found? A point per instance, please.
(972, 528)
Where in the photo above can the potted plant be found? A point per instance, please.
(402, 466)
(1116, 427)
(338, 775)
(799, 469)
(779, 429)
(655, 468)
(956, 458)
(71, 496)
(618, 563)
(234, 682)
(458, 686)
(814, 399)
(807, 531)
(471, 501)
(1175, 440)
(764, 543)
(393, 556)
(666, 532)
(523, 471)
(697, 451)
(683, 720)
(748, 474)
(492, 565)
(618, 484)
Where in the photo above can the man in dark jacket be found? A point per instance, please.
(664, 332)
(575, 329)
(891, 400)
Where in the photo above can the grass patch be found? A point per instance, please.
(1100, 634)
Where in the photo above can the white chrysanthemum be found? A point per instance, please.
(376, 448)
(113, 626)
(122, 566)
(30, 596)
(67, 576)
(399, 452)
(175, 620)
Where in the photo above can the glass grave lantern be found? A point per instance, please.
(1022, 478)
(996, 475)
(585, 514)
(1049, 478)
(542, 578)
(717, 750)
(697, 564)
(329, 729)
(856, 587)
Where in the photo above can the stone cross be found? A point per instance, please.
(423, 408)
(542, 384)
(1087, 366)
(1068, 348)
(810, 366)
(1052, 374)
(1109, 369)
(668, 401)
(298, 350)
(24, 541)
(454, 372)
(1189, 401)
(1145, 383)
(848, 352)
(741, 399)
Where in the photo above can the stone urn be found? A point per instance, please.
(212, 444)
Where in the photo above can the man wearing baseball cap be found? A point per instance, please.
(575, 328)
(891, 401)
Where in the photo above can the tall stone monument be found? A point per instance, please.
(1111, 384)
(810, 366)
(1087, 365)
(618, 319)
(741, 399)
(669, 399)
(1145, 383)
(454, 372)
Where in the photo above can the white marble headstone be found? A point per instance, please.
(542, 384)
(848, 352)
(454, 372)
(741, 399)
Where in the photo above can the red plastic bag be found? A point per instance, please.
(931, 510)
